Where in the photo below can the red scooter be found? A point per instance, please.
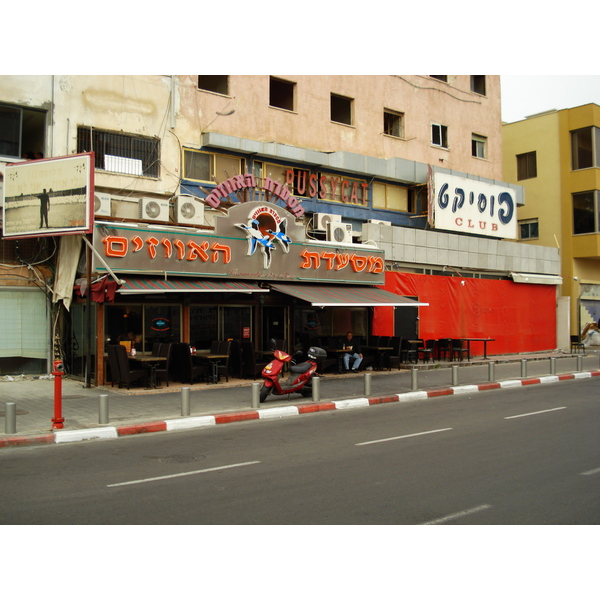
(300, 375)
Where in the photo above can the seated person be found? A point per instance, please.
(354, 352)
(590, 336)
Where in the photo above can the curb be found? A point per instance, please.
(280, 412)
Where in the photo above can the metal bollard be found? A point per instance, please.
(256, 394)
(552, 365)
(491, 371)
(367, 384)
(454, 374)
(10, 417)
(414, 379)
(185, 401)
(316, 389)
(524, 367)
(103, 409)
(579, 363)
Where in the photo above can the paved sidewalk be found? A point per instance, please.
(140, 410)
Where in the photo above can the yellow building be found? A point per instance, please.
(555, 156)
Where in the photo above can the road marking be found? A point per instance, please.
(539, 412)
(592, 472)
(400, 437)
(182, 474)
(457, 515)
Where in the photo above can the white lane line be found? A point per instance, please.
(457, 515)
(592, 472)
(182, 474)
(401, 437)
(539, 412)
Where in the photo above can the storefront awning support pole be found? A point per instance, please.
(101, 259)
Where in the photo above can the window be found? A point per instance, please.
(440, 77)
(478, 84)
(526, 165)
(22, 131)
(439, 135)
(214, 83)
(393, 123)
(478, 146)
(341, 109)
(281, 93)
(119, 152)
(390, 197)
(585, 212)
(205, 166)
(585, 144)
(528, 229)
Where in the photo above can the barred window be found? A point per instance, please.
(120, 153)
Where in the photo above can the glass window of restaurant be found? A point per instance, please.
(325, 325)
(209, 323)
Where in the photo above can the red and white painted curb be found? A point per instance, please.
(279, 412)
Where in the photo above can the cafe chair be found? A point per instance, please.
(408, 352)
(444, 350)
(426, 350)
(127, 375)
(223, 368)
(395, 357)
(250, 367)
(162, 371)
(113, 362)
(577, 346)
(189, 370)
(459, 350)
(156, 348)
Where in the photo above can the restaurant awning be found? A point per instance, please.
(138, 284)
(536, 278)
(342, 295)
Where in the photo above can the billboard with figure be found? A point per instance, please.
(49, 197)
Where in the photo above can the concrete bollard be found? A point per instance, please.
(579, 363)
(414, 379)
(316, 389)
(552, 365)
(10, 417)
(524, 367)
(491, 371)
(185, 401)
(256, 394)
(454, 374)
(367, 384)
(103, 409)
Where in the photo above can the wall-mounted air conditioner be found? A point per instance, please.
(152, 209)
(320, 220)
(339, 232)
(102, 204)
(378, 222)
(189, 210)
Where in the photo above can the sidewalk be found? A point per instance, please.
(140, 410)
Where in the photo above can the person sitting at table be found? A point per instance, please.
(354, 352)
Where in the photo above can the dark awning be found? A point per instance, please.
(138, 284)
(342, 295)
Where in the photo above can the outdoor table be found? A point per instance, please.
(380, 354)
(484, 340)
(150, 362)
(214, 360)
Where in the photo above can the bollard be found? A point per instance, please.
(367, 384)
(103, 409)
(256, 394)
(316, 389)
(454, 374)
(579, 363)
(185, 401)
(524, 367)
(552, 365)
(10, 417)
(491, 371)
(414, 379)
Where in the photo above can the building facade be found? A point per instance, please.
(356, 184)
(555, 156)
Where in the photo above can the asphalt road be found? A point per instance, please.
(513, 456)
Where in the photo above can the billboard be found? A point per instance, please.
(49, 197)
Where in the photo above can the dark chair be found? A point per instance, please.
(235, 358)
(223, 368)
(189, 369)
(163, 369)
(214, 346)
(395, 357)
(577, 346)
(443, 348)
(250, 367)
(127, 375)
(425, 351)
(408, 351)
(281, 345)
(113, 361)
(156, 348)
(459, 350)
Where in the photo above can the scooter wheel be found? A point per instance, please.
(264, 392)
(306, 392)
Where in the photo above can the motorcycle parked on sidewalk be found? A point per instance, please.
(300, 376)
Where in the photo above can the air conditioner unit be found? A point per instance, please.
(378, 222)
(320, 220)
(339, 232)
(189, 210)
(152, 209)
(102, 204)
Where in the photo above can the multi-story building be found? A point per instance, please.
(261, 207)
(555, 156)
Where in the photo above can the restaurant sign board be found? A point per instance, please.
(254, 240)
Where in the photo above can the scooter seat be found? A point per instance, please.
(301, 368)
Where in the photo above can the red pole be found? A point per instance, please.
(58, 420)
